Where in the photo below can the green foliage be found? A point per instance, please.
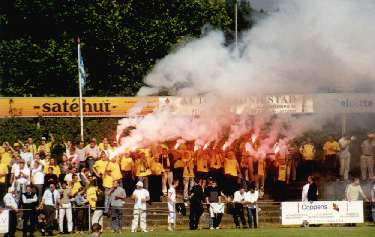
(13, 129)
(121, 41)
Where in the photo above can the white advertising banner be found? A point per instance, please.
(4, 221)
(321, 212)
(344, 103)
(248, 105)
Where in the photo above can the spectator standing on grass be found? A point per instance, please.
(354, 191)
(117, 200)
(65, 209)
(141, 196)
(172, 205)
(312, 193)
(196, 206)
(238, 200)
(29, 203)
(49, 203)
(216, 207)
(367, 157)
(251, 199)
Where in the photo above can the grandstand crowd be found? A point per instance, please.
(40, 181)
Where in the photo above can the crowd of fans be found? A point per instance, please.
(91, 176)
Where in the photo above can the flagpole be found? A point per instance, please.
(80, 91)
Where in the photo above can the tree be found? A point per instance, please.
(122, 40)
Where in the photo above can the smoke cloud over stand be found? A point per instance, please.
(304, 47)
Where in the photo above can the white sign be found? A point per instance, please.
(344, 103)
(4, 220)
(321, 212)
(247, 105)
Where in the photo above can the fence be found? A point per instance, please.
(157, 215)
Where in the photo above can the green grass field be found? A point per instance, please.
(363, 231)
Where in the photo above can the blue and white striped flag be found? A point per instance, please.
(81, 67)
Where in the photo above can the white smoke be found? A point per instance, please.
(304, 47)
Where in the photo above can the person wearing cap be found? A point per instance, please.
(367, 157)
(10, 202)
(140, 196)
(44, 147)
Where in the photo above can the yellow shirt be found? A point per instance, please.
(100, 166)
(141, 168)
(178, 164)
(126, 163)
(188, 168)
(216, 161)
(230, 167)
(76, 186)
(91, 196)
(308, 151)
(101, 146)
(2, 150)
(331, 148)
(46, 147)
(56, 169)
(3, 170)
(202, 163)
(115, 170)
(6, 158)
(107, 181)
(156, 168)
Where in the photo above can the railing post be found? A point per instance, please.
(89, 212)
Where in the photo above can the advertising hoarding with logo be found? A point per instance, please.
(321, 212)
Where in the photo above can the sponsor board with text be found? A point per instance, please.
(321, 212)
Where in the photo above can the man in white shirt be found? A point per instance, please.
(305, 191)
(140, 196)
(238, 200)
(50, 201)
(20, 176)
(251, 199)
(26, 154)
(10, 202)
(172, 205)
(37, 179)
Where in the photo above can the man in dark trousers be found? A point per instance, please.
(49, 203)
(312, 193)
(29, 203)
(196, 206)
